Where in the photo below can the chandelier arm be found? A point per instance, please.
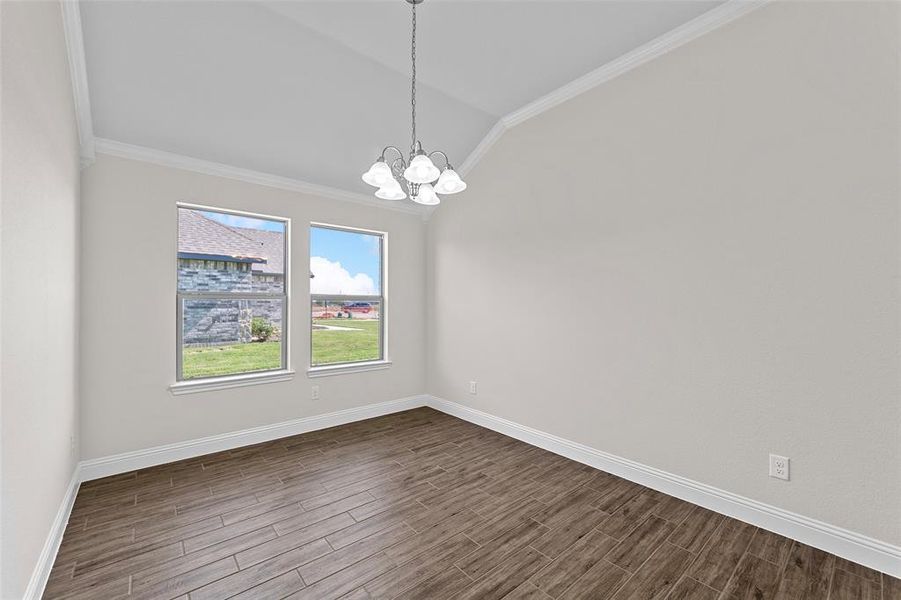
(398, 170)
(395, 148)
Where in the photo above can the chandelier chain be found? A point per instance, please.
(413, 84)
(400, 178)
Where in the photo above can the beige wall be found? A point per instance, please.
(691, 266)
(697, 264)
(39, 216)
(128, 283)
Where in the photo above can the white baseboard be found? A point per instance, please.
(41, 572)
(141, 459)
(855, 547)
(842, 542)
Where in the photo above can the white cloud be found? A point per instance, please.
(332, 278)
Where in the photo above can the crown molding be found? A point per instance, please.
(705, 23)
(493, 135)
(90, 145)
(685, 33)
(78, 72)
(206, 167)
(713, 19)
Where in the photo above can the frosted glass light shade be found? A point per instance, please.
(449, 182)
(426, 196)
(378, 174)
(421, 170)
(391, 191)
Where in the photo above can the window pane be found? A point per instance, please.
(345, 263)
(219, 252)
(228, 337)
(345, 332)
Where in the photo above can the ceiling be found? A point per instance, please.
(313, 90)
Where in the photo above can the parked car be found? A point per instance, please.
(358, 307)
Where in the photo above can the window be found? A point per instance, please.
(232, 304)
(347, 299)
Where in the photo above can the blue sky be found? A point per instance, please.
(249, 222)
(345, 262)
(357, 252)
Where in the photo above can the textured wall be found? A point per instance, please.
(126, 403)
(39, 276)
(696, 264)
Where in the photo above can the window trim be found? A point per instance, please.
(384, 360)
(351, 367)
(224, 382)
(284, 371)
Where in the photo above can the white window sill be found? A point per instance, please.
(348, 368)
(230, 381)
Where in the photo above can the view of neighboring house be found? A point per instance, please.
(213, 257)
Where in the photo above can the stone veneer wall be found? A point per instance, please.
(208, 322)
(213, 276)
(271, 310)
(212, 322)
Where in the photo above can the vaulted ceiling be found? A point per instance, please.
(313, 90)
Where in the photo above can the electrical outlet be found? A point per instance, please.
(314, 393)
(473, 387)
(779, 466)
(72, 443)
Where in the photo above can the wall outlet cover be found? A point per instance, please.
(779, 466)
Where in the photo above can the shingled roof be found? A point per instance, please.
(200, 237)
(272, 248)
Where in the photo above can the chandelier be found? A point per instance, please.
(417, 175)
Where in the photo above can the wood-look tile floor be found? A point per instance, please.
(421, 505)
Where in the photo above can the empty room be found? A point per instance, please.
(450, 299)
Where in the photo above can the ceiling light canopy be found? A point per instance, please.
(414, 176)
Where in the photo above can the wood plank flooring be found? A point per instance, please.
(420, 505)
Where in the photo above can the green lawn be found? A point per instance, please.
(228, 360)
(329, 347)
(345, 346)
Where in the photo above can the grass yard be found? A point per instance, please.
(227, 360)
(330, 346)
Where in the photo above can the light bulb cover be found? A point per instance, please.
(391, 191)
(426, 196)
(378, 174)
(449, 182)
(421, 170)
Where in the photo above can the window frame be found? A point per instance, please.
(281, 373)
(382, 361)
